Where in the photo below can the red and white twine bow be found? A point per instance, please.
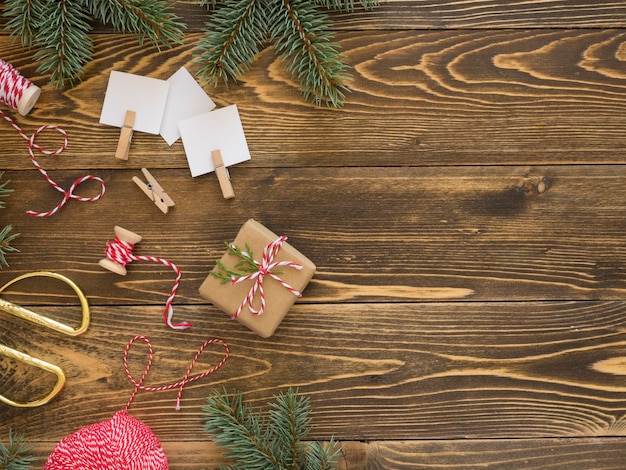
(121, 252)
(186, 379)
(265, 268)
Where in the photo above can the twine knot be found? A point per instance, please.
(265, 268)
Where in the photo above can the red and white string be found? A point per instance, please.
(12, 86)
(188, 378)
(121, 252)
(265, 268)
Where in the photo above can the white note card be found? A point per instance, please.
(221, 130)
(186, 99)
(144, 95)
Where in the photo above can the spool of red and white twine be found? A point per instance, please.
(20, 94)
(119, 252)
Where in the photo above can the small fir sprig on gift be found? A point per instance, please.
(6, 237)
(246, 264)
(257, 441)
(12, 456)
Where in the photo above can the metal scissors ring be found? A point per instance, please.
(41, 320)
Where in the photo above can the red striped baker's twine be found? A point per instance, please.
(265, 268)
(121, 252)
(12, 86)
(188, 378)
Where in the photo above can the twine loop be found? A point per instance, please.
(121, 252)
(188, 378)
(12, 87)
(265, 268)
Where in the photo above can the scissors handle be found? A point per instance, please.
(33, 361)
(41, 320)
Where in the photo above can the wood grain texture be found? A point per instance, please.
(450, 233)
(419, 98)
(432, 371)
(459, 318)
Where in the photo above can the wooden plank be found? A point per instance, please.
(540, 454)
(418, 98)
(375, 234)
(484, 370)
(432, 14)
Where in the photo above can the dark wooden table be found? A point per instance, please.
(458, 318)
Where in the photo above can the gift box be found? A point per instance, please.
(258, 279)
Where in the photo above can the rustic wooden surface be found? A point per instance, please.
(455, 321)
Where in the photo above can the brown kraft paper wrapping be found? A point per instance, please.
(228, 297)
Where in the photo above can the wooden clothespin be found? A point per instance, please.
(154, 191)
(126, 136)
(222, 175)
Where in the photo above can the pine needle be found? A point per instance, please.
(255, 441)
(12, 456)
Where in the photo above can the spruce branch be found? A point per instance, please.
(300, 32)
(12, 455)
(237, 29)
(6, 237)
(22, 23)
(239, 431)
(252, 441)
(153, 20)
(62, 36)
(306, 44)
(59, 29)
(347, 6)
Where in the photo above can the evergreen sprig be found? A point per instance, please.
(6, 237)
(299, 30)
(59, 29)
(267, 441)
(12, 456)
(246, 264)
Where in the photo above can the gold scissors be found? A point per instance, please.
(41, 320)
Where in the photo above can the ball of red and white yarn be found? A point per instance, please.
(16, 91)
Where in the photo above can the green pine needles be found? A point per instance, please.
(273, 442)
(59, 29)
(299, 30)
(6, 237)
(12, 456)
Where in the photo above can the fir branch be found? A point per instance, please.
(227, 52)
(347, 6)
(5, 234)
(6, 238)
(152, 19)
(62, 36)
(21, 24)
(239, 431)
(322, 456)
(246, 264)
(306, 44)
(4, 190)
(290, 424)
(12, 456)
(252, 442)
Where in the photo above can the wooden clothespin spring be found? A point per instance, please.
(154, 191)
